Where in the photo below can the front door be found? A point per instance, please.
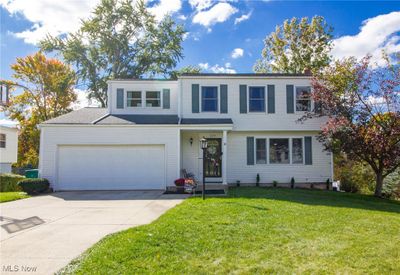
(212, 162)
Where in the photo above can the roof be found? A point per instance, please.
(100, 116)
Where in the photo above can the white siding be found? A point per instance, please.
(53, 137)
(280, 120)
(143, 86)
(238, 169)
(9, 154)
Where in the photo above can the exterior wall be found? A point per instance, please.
(54, 136)
(5, 167)
(9, 154)
(319, 171)
(143, 86)
(280, 120)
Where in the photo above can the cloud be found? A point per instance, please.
(204, 66)
(376, 34)
(83, 101)
(200, 5)
(216, 14)
(242, 18)
(165, 7)
(236, 53)
(227, 69)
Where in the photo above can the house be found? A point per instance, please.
(151, 129)
(8, 148)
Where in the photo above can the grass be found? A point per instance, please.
(257, 230)
(12, 196)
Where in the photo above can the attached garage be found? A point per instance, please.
(111, 167)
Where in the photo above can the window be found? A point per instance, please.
(153, 99)
(134, 99)
(297, 150)
(261, 151)
(209, 99)
(2, 140)
(303, 99)
(279, 150)
(256, 99)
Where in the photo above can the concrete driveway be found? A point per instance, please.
(42, 234)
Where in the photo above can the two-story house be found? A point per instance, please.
(151, 129)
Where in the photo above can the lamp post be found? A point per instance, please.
(204, 145)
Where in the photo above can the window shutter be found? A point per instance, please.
(195, 98)
(271, 99)
(166, 99)
(250, 150)
(120, 98)
(289, 99)
(308, 150)
(224, 98)
(243, 99)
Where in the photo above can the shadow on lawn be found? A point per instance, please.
(317, 197)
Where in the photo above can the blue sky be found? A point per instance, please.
(223, 36)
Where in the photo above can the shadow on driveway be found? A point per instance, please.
(16, 225)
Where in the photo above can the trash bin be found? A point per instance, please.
(32, 173)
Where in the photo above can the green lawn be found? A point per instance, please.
(257, 230)
(12, 196)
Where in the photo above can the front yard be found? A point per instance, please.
(258, 230)
(12, 196)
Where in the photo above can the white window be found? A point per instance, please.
(134, 99)
(303, 99)
(2, 140)
(297, 150)
(279, 150)
(153, 99)
(261, 151)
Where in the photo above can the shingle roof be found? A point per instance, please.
(138, 119)
(206, 121)
(82, 116)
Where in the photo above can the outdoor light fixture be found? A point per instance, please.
(204, 145)
(191, 141)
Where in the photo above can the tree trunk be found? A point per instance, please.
(379, 184)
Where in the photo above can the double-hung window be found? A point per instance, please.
(2, 140)
(256, 99)
(279, 150)
(134, 99)
(297, 150)
(303, 99)
(153, 99)
(261, 151)
(209, 99)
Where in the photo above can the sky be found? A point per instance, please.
(222, 36)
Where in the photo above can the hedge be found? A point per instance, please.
(34, 186)
(9, 182)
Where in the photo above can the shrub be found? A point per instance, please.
(391, 186)
(292, 183)
(34, 186)
(258, 180)
(9, 182)
(275, 183)
(180, 182)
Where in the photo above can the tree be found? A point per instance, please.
(295, 46)
(190, 69)
(120, 40)
(362, 106)
(47, 92)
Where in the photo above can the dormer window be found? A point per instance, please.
(153, 99)
(303, 99)
(134, 99)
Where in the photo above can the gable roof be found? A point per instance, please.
(82, 116)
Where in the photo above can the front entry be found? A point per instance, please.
(213, 162)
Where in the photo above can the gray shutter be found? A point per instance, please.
(166, 99)
(250, 150)
(243, 99)
(290, 99)
(120, 98)
(271, 99)
(308, 150)
(224, 98)
(195, 98)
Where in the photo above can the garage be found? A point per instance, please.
(111, 167)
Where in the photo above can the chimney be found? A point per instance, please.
(307, 71)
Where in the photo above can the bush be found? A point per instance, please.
(292, 182)
(9, 182)
(34, 186)
(391, 186)
(180, 182)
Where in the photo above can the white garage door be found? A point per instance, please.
(104, 167)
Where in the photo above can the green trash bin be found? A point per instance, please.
(32, 173)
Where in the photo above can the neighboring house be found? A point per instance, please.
(151, 129)
(8, 148)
